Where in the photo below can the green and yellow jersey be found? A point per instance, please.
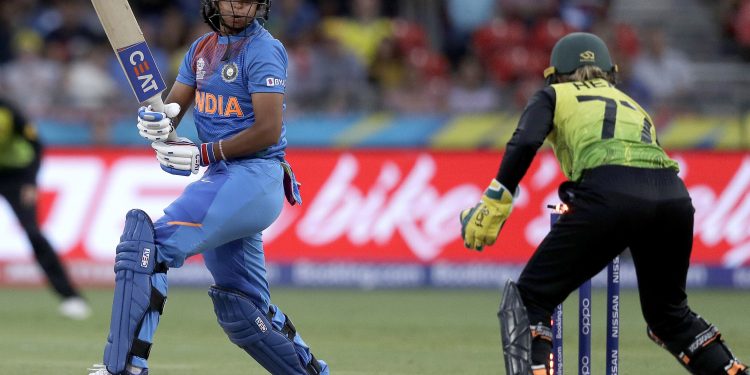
(596, 124)
(18, 140)
(589, 124)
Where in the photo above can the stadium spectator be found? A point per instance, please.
(326, 76)
(87, 84)
(71, 29)
(344, 77)
(173, 20)
(6, 33)
(88, 87)
(292, 19)
(463, 18)
(363, 32)
(470, 91)
(20, 158)
(151, 8)
(416, 93)
(528, 11)
(583, 14)
(625, 38)
(662, 69)
(741, 24)
(632, 85)
(31, 79)
(389, 65)
(307, 87)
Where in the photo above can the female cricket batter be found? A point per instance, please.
(236, 75)
(623, 191)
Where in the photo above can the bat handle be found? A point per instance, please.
(156, 103)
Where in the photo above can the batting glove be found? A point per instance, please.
(481, 224)
(182, 157)
(156, 126)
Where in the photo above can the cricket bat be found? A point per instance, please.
(131, 50)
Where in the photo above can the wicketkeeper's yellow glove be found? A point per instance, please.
(481, 224)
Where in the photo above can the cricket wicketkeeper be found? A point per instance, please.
(623, 191)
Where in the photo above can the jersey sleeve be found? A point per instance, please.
(535, 124)
(267, 69)
(186, 73)
(13, 123)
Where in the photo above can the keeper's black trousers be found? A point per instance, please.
(613, 208)
(18, 187)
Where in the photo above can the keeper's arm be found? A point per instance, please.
(481, 224)
(533, 127)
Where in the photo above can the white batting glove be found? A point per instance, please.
(156, 126)
(179, 156)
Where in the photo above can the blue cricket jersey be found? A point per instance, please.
(256, 63)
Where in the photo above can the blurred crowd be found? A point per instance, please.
(407, 56)
(735, 21)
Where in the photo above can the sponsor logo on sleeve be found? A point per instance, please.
(274, 82)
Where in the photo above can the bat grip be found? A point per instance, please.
(156, 103)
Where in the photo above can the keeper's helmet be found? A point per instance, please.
(576, 50)
(212, 16)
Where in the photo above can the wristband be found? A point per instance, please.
(207, 154)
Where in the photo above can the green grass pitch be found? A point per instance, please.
(390, 332)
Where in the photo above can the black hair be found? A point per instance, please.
(212, 16)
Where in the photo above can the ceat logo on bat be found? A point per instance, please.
(141, 70)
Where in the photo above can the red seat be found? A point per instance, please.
(546, 33)
(626, 40)
(498, 35)
(431, 64)
(538, 61)
(742, 24)
(409, 35)
(518, 63)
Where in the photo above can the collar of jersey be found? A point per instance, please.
(248, 32)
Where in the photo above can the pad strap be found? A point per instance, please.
(254, 332)
(288, 329)
(157, 301)
(140, 348)
(541, 332)
(698, 350)
(702, 340)
(314, 367)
